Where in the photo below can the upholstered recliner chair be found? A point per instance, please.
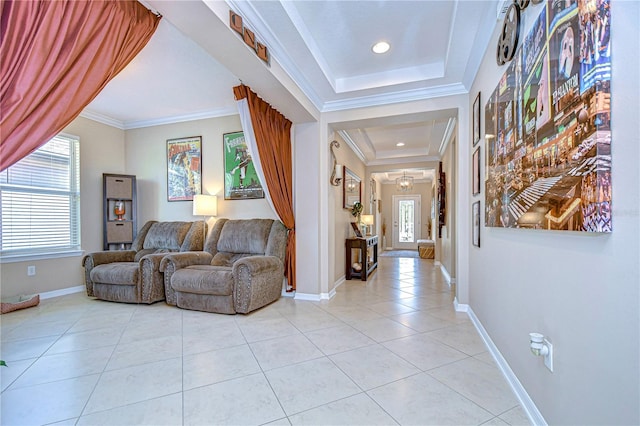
(134, 276)
(241, 268)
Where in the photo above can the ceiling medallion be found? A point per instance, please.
(509, 36)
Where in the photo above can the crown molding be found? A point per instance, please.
(448, 134)
(101, 118)
(214, 113)
(396, 97)
(403, 160)
(255, 22)
(345, 136)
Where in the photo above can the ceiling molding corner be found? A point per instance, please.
(101, 118)
(345, 136)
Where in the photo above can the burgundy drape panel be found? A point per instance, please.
(56, 57)
(273, 137)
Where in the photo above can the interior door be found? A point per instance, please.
(406, 221)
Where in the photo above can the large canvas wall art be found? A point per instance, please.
(548, 125)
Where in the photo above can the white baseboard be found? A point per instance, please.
(62, 292)
(315, 297)
(460, 307)
(530, 409)
(446, 274)
(286, 293)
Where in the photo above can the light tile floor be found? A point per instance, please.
(388, 351)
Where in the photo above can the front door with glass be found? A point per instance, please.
(406, 222)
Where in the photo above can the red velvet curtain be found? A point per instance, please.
(56, 57)
(273, 137)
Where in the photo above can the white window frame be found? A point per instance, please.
(73, 248)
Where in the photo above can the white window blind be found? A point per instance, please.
(40, 200)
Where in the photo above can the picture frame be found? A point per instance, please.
(356, 229)
(241, 181)
(476, 120)
(475, 172)
(184, 168)
(475, 224)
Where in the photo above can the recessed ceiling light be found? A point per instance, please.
(400, 144)
(380, 47)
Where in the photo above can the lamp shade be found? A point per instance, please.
(205, 205)
(367, 219)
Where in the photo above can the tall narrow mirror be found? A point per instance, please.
(351, 188)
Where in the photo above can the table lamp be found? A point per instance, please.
(205, 205)
(367, 220)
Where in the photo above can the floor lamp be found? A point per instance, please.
(205, 205)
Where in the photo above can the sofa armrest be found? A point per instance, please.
(92, 260)
(151, 278)
(257, 281)
(100, 257)
(172, 262)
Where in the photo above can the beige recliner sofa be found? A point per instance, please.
(134, 276)
(241, 268)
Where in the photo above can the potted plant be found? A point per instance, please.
(356, 211)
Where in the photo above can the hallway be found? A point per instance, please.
(391, 350)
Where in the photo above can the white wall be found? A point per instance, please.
(101, 151)
(343, 218)
(146, 158)
(582, 291)
(311, 266)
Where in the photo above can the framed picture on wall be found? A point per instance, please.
(184, 168)
(240, 178)
(476, 120)
(475, 172)
(475, 224)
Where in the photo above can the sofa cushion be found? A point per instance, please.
(166, 235)
(203, 279)
(121, 273)
(245, 236)
(142, 253)
(227, 259)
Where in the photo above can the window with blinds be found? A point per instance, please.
(40, 200)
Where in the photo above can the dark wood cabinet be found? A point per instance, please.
(118, 211)
(361, 251)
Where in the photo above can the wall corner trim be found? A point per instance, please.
(529, 407)
(460, 307)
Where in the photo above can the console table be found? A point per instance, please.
(367, 256)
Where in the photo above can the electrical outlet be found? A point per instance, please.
(548, 358)
(31, 270)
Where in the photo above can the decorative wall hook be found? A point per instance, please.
(336, 174)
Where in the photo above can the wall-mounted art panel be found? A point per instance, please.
(547, 125)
